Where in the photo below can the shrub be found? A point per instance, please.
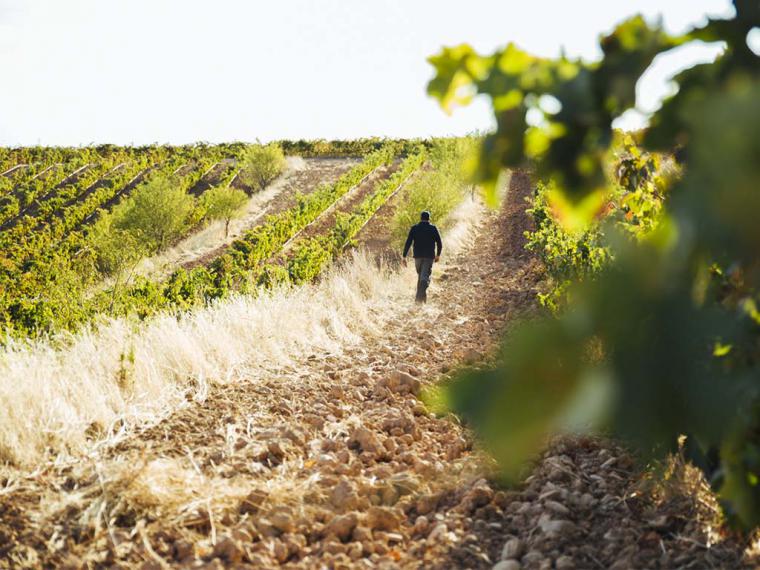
(438, 190)
(260, 165)
(158, 212)
(225, 204)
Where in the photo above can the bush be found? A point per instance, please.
(115, 250)
(222, 203)
(260, 165)
(157, 212)
(438, 190)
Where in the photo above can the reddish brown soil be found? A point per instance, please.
(376, 237)
(212, 177)
(345, 205)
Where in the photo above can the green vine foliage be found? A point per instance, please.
(638, 183)
(312, 255)
(244, 267)
(664, 340)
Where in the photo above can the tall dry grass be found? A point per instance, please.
(67, 397)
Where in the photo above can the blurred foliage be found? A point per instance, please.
(664, 339)
(574, 250)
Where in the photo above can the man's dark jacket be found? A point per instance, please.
(426, 240)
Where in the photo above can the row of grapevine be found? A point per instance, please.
(34, 184)
(75, 203)
(312, 255)
(241, 268)
(639, 186)
(43, 252)
(46, 156)
(48, 219)
(262, 242)
(23, 175)
(336, 148)
(48, 277)
(28, 311)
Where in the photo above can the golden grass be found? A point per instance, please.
(68, 396)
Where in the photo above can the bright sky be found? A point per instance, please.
(140, 71)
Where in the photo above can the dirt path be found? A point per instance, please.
(332, 461)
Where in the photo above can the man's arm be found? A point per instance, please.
(438, 243)
(409, 241)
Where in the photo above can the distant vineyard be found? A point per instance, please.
(58, 204)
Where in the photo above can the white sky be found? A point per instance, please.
(175, 71)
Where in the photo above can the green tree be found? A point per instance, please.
(224, 203)
(261, 164)
(157, 212)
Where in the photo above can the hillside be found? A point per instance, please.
(317, 451)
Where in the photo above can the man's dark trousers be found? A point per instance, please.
(424, 266)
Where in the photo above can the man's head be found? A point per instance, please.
(425, 216)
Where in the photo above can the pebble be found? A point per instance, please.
(557, 528)
(252, 503)
(229, 550)
(367, 440)
(382, 518)
(344, 496)
(557, 508)
(472, 356)
(362, 534)
(587, 500)
(439, 532)
(342, 526)
(513, 548)
(183, 549)
(403, 383)
(507, 565)
(421, 525)
(282, 522)
(477, 497)
(427, 504)
(355, 551)
(532, 558)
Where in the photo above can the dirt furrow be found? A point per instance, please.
(345, 204)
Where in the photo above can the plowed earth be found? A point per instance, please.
(338, 464)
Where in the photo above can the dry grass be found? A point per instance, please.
(65, 399)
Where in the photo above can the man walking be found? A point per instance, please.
(427, 250)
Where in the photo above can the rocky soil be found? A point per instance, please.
(338, 463)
